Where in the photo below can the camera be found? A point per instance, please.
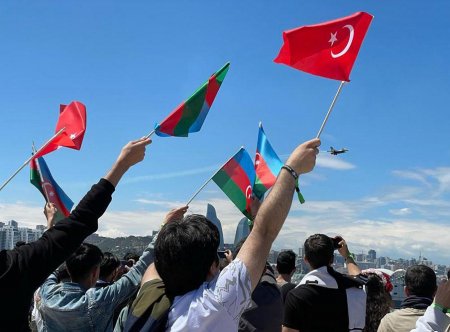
(221, 253)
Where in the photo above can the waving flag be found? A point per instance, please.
(190, 115)
(72, 118)
(328, 49)
(42, 179)
(236, 178)
(267, 165)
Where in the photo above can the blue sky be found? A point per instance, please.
(131, 63)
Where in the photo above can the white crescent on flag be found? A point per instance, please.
(349, 43)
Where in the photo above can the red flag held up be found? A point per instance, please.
(72, 118)
(327, 49)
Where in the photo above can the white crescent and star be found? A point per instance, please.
(333, 38)
(257, 161)
(248, 194)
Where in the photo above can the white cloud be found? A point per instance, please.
(333, 162)
(400, 212)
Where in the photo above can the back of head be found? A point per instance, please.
(421, 281)
(286, 262)
(319, 250)
(184, 253)
(82, 261)
(378, 302)
(109, 264)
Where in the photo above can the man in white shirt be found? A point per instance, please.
(186, 257)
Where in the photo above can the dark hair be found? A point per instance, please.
(20, 243)
(448, 274)
(131, 255)
(184, 253)
(109, 264)
(377, 304)
(319, 250)
(286, 262)
(421, 281)
(83, 260)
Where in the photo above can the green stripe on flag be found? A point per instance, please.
(191, 110)
(230, 188)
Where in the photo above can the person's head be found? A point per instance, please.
(319, 250)
(448, 274)
(378, 302)
(420, 280)
(20, 243)
(286, 262)
(108, 267)
(186, 253)
(84, 265)
(131, 258)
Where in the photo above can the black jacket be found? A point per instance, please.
(24, 269)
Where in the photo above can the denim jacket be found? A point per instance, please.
(69, 307)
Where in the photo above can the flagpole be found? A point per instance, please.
(28, 160)
(151, 133)
(40, 176)
(330, 109)
(204, 185)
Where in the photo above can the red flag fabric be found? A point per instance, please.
(72, 118)
(327, 49)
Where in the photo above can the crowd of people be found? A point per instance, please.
(179, 283)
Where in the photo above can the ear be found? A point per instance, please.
(407, 292)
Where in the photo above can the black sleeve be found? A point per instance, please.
(38, 259)
(292, 312)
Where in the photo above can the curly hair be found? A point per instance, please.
(378, 302)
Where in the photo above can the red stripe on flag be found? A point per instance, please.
(169, 124)
(211, 91)
(239, 176)
(264, 173)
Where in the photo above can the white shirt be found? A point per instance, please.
(214, 306)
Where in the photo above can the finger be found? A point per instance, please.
(314, 143)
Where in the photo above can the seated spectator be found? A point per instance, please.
(420, 287)
(24, 269)
(377, 286)
(436, 317)
(286, 268)
(186, 260)
(108, 269)
(326, 300)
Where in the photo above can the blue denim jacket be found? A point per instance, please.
(69, 307)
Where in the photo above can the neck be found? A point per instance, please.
(284, 277)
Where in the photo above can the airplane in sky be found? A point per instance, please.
(335, 152)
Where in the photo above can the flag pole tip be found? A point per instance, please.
(260, 124)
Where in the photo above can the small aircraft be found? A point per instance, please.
(335, 152)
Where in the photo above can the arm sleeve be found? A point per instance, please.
(432, 320)
(38, 259)
(292, 312)
(233, 289)
(125, 287)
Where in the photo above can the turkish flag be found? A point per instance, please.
(72, 119)
(327, 49)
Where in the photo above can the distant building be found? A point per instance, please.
(11, 233)
(371, 255)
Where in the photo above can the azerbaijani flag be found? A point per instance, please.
(236, 178)
(189, 116)
(267, 165)
(42, 179)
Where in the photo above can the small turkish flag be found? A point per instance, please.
(72, 118)
(327, 49)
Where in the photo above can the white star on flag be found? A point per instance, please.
(332, 38)
(52, 193)
(72, 136)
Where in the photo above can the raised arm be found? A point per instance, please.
(274, 210)
(352, 267)
(38, 259)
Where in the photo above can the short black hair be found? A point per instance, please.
(109, 264)
(83, 260)
(421, 281)
(448, 274)
(286, 262)
(184, 253)
(319, 250)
